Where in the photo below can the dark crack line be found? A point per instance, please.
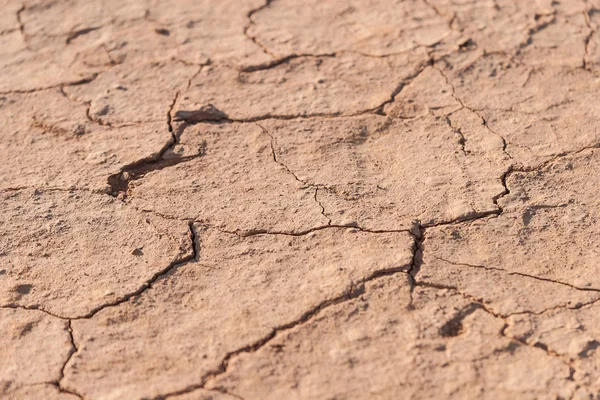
(30, 308)
(506, 191)
(251, 22)
(518, 274)
(272, 143)
(72, 351)
(483, 120)
(69, 189)
(471, 217)
(289, 171)
(323, 213)
(119, 182)
(88, 105)
(78, 82)
(305, 232)
(196, 247)
(169, 117)
(559, 307)
(283, 60)
(286, 59)
(405, 82)
(462, 140)
(22, 27)
(588, 39)
(418, 234)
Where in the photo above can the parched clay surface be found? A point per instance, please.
(549, 219)
(314, 27)
(570, 333)
(39, 391)
(318, 171)
(71, 252)
(28, 366)
(344, 199)
(366, 169)
(132, 94)
(438, 332)
(265, 282)
(35, 125)
(230, 181)
(343, 84)
(538, 117)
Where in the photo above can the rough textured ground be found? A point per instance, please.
(342, 199)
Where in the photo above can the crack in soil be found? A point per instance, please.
(22, 27)
(119, 182)
(323, 213)
(251, 22)
(305, 232)
(72, 351)
(503, 333)
(518, 274)
(78, 82)
(586, 17)
(483, 121)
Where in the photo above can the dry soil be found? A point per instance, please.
(342, 199)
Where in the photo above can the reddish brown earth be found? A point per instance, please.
(341, 199)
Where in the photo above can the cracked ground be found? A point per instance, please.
(341, 199)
